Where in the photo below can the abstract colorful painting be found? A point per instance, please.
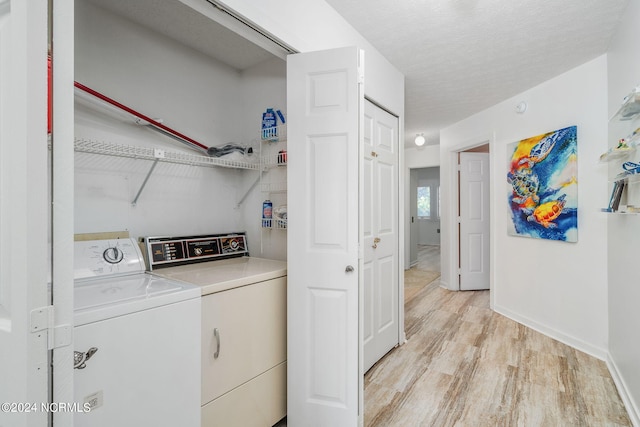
(543, 186)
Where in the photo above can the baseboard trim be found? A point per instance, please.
(578, 344)
(632, 409)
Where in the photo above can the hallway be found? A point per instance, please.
(465, 365)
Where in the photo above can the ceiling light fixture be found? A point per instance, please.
(420, 140)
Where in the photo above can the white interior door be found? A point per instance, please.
(23, 212)
(380, 233)
(474, 221)
(324, 104)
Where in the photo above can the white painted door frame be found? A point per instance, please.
(24, 258)
(381, 232)
(62, 202)
(452, 235)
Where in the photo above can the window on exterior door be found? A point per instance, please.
(429, 202)
(424, 202)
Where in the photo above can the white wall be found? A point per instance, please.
(624, 292)
(194, 94)
(556, 287)
(314, 25)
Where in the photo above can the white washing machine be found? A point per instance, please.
(136, 341)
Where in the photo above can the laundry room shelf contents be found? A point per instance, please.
(273, 176)
(626, 146)
(625, 193)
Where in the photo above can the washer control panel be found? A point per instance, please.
(168, 251)
(95, 258)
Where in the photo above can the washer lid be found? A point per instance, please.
(103, 298)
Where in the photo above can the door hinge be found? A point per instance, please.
(459, 219)
(42, 319)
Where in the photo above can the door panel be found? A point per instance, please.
(327, 201)
(387, 312)
(474, 221)
(387, 193)
(381, 289)
(324, 103)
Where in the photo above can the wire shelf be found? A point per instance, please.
(274, 187)
(161, 155)
(274, 134)
(274, 224)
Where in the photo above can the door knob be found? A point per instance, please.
(349, 269)
(375, 242)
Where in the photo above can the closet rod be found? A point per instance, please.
(159, 126)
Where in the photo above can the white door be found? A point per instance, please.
(324, 104)
(380, 233)
(474, 221)
(23, 212)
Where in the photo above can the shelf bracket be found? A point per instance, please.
(251, 187)
(144, 183)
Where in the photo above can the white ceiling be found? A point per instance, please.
(460, 57)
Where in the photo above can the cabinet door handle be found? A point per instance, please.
(216, 335)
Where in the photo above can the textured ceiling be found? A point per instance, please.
(462, 56)
(182, 23)
(458, 56)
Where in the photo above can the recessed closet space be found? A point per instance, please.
(173, 63)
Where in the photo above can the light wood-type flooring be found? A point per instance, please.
(465, 365)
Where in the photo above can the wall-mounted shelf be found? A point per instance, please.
(274, 134)
(273, 162)
(275, 224)
(617, 153)
(607, 211)
(623, 193)
(628, 178)
(630, 107)
(273, 187)
(156, 155)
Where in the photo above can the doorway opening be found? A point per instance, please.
(424, 229)
(472, 245)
